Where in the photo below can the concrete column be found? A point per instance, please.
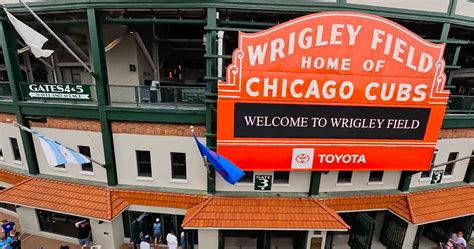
(28, 220)
(108, 234)
(410, 235)
(208, 239)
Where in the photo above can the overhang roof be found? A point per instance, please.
(263, 213)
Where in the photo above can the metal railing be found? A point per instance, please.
(460, 104)
(5, 90)
(159, 96)
(58, 93)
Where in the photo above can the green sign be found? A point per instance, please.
(263, 182)
(436, 176)
(56, 91)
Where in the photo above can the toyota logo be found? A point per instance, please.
(302, 158)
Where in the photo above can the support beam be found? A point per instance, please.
(102, 81)
(315, 182)
(211, 90)
(8, 40)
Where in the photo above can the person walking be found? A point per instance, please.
(145, 244)
(172, 240)
(84, 232)
(156, 231)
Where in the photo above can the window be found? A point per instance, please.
(450, 167)
(16, 149)
(57, 223)
(86, 151)
(1, 152)
(376, 176)
(144, 163)
(426, 174)
(344, 177)
(281, 177)
(178, 165)
(248, 177)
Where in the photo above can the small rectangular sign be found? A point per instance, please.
(56, 91)
(263, 182)
(437, 176)
(324, 121)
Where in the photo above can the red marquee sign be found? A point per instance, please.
(332, 91)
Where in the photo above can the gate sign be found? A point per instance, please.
(332, 91)
(437, 176)
(57, 91)
(263, 182)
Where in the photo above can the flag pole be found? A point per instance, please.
(31, 131)
(204, 159)
(57, 38)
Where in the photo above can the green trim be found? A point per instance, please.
(7, 107)
(100, 70)
(9, 45)
(211, 67)
(268, 5)
(405, 180)
(179, 116)
(57, 110)
(315, 182)
(458, 121)
(155, 20)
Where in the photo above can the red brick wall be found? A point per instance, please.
(457, 133)
(156, 129)
(68, 124)
(5, 116)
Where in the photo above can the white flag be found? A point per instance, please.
(32, 38)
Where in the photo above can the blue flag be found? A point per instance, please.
(224, 167)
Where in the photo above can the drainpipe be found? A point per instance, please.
(220, 48)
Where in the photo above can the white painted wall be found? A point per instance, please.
(160, 148)
(465, 8)
(154, 209)
(360, 181)
(298, 183)
(422, 5)
(108, 234)
(6, 131)
(71, 139)
(5, 185)
(28, 220)
(208, 239)
(464, 146)
(410, 235)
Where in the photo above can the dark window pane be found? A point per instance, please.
(16, 149)
(450, 167)
(248, 177)
(376, 176)
(57, 223)
(281, 177)
(1, 152)
(86, 151)
(178, 165)
(144, 163)
(344, 177)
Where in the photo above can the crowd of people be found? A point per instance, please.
(9, 238)
(145, 241)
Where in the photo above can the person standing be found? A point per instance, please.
(7, 226)
(172, 240)
(157, 231)
(83, 232)
(145, 244)
(5, 241)
(16, 244)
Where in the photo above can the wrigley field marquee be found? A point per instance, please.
(332, 91)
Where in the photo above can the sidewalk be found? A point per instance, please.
(35, 242)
